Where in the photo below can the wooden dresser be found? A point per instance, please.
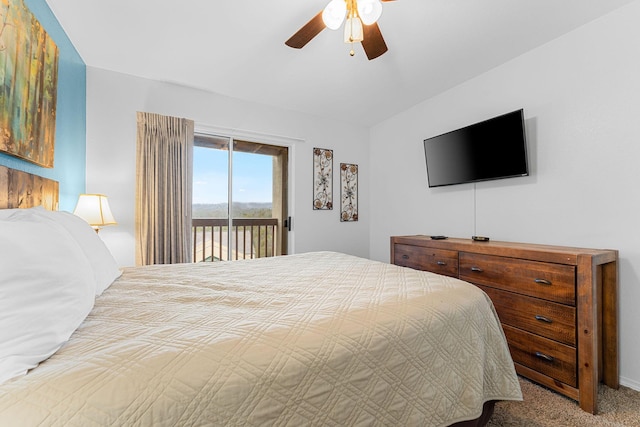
(557, 305)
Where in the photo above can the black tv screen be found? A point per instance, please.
(492, 149)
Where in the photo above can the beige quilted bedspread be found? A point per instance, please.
(310, 339)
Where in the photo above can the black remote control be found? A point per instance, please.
(438, 237)
(480, 238)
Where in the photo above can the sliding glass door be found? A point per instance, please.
(239, 199)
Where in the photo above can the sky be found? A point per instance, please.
(252, 176)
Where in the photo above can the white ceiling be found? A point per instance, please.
(236, 47)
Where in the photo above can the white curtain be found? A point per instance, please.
(163, 189)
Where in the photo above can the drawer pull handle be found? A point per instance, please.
(543, 319)
(477, 269)
(542, 282)
(546, 357)
(441, 263)
(405, 256)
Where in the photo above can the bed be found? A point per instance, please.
(319, 338)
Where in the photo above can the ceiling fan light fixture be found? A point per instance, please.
(369, 11)
(353, 30)
(333, 15)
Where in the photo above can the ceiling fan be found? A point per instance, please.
(360, 17)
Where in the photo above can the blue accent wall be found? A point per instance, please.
(69, 167)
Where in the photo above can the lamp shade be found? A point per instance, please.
(94, 208)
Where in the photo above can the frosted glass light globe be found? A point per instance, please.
(353, 31)
(369, 11)
(334, 14)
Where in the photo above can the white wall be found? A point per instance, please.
(581, 98)
(112, 102)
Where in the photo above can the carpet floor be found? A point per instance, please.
(544, 408)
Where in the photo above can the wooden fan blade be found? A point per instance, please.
(307, 32)
(373, 43)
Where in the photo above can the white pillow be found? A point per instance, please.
(6, 213)
(47, 289)
(104, 265)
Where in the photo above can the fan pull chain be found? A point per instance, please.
(351, 52)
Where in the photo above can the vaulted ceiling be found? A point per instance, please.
(236, 47)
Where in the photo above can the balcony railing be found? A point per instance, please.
(250, 238)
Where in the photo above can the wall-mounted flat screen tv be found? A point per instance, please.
(488, 150)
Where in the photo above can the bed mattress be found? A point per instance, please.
(311, 339)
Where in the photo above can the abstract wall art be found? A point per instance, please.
(28, 85)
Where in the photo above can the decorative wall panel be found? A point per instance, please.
(348, 192)
(322, 179)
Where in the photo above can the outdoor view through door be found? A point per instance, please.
(243, 190)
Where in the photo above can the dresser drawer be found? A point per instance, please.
(548, 319)
(548, 357)
(554, 282)
(439, 261)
